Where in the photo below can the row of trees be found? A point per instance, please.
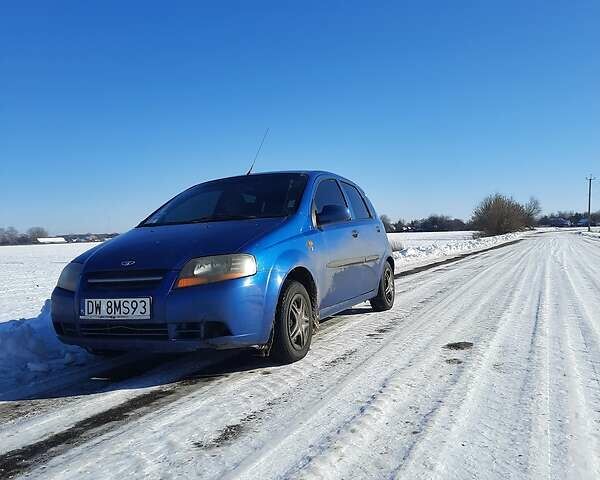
(11, 236)
(573, 217)
(433, 223)
(495, 215)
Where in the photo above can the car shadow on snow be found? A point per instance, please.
(130, 372)
(135, 371)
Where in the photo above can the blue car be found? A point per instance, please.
(247, 261)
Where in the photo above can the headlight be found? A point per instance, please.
(69, 278)
(200, 271)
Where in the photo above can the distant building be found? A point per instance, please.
(88, 237)
(52, 240)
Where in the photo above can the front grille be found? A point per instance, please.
(146, 331)
(121, 280)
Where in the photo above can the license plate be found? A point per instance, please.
(116, 308)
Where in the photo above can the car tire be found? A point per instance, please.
(293, 326)
(387, 292)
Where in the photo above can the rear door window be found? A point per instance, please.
(328, 193)
(359, 207)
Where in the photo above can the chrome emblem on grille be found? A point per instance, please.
(127, 263)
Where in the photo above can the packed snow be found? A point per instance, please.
(29, 350)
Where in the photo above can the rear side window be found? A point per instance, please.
(357, 202)
(328, 193)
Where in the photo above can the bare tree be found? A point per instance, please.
(533, 209)
(36, 232)
(399, 225)
(11, 236)
(498, 214)
(387, 223)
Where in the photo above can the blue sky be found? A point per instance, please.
(107, 109)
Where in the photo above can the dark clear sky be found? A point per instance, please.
(107, 109)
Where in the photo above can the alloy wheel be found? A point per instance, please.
(388, 285)
(298, 321)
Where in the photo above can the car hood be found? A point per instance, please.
(168, 247)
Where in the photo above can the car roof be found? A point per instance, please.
(310, 173)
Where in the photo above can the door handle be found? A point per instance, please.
(378, 228)
(355, 233)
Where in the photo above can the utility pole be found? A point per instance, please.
(590, 179)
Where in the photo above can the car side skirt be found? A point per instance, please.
(340, 307)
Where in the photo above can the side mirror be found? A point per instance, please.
(333, 214)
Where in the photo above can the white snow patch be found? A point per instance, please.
(592, 234)
(28, 274)
(29, 348)
(423, 248)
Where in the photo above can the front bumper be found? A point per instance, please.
(230, 314)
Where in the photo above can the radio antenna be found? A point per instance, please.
(258, 151)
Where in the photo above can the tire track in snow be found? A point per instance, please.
(390, 419)
(22, 459)
(252, 470)
(582, 379)
(471, 411)
(539, 433)
(570, 455)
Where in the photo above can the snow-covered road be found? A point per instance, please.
(488, 367)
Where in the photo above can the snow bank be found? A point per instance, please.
(424, 253)
(590, 234)
(29, 349)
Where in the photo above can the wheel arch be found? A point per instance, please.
(303, 275)
(390, 260)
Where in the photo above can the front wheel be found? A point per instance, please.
(387, 291)
(293, 325)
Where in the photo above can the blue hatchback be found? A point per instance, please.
(248, 261)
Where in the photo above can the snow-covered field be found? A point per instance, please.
(485, 368)
(421, 248)
(29, 349)
(28, 274)
(418, 239)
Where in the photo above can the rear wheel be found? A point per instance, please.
(387, 292)
(293, 325)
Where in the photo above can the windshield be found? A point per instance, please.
(236, 198)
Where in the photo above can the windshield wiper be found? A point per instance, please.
(222, 217)
(206, 219)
